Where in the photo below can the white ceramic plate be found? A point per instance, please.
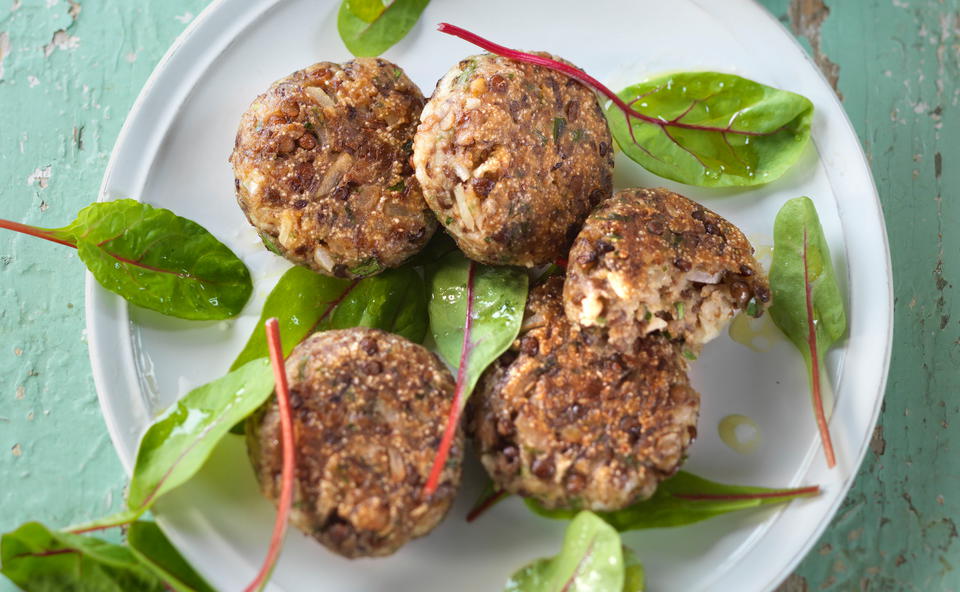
(173, 153)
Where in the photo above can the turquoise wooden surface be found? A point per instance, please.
(70, 69)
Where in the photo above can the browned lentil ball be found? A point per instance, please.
(322, 165)
(566, 418)
(369, 410)
(512, 157)
(652, 260)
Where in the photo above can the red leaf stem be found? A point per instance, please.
(47, 235)
(456, 406)
(289, 460)
(34, 231)
(583, 561)
(332, 306)
(802, 491)
(486, 503)
(590, 81)
(815, 363)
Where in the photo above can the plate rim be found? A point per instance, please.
(99, 301)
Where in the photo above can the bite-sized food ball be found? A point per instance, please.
(322, 165)
(369, 409)
(512, 157)
(650, 260)
(574, 422)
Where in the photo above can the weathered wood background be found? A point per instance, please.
(70, 69)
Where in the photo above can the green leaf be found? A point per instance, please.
(306, 302)
(40, 560)
(175, 446)
(712, 129)
(495, 310)
(802, 281)
(148, 543)
(158, 260)
(439, 247)
(592, 559)
(685, 499)
(633, 575)
(365, 10)
(368, 28)
(798, 217)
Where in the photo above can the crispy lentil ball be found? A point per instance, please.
(568, 419)
(652, 260)
(512, 157)
(369, 410)
(322, 166)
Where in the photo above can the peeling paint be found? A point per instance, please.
(806, 18)
(61, 40)
(185, 17)
(794, 583)
(40, 176)
(877, 444)
(4, 49)
(16, 450)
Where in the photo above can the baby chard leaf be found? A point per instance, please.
(711, 129)
(807, 302)
(38, 559)
(154, 259)
(685, 499)
(305, 302)
(700, 128)
(592, 558)
(370, 27)
(174, 447)
(475, 314)
(148, 543)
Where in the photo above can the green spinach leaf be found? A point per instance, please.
(592, 559)
(475, 313)
(371, 27)
(711, 129)
(305, 302)
(154, 259)
(807, 302)
(41, 560)
(148, 543)
(685, 499)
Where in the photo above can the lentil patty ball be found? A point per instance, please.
(369, 410)
(650, 260)
(512, 157)
(568, 419)
(322, 165)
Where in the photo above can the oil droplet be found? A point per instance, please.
(757, 334)
(740, 433)
(763, 253)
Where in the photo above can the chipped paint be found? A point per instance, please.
(806, 19)
(61, 40)
(40, 176)
(4, 50)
